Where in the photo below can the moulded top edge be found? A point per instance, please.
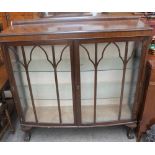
(67, 27)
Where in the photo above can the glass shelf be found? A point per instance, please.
(107, 64)
(104, 65)
(105, 90)
(46, 91)
(45, 66)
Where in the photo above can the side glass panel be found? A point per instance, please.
(43, 79)
(131, 79)
(108, 73)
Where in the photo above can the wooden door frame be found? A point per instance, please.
(134, 112)
(13, 82)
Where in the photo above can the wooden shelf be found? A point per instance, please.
(49, 114)
(105, 113)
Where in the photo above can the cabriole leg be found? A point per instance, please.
(131, 131)
(27, 135)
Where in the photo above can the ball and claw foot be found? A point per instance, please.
(130, 133)
(27, 136)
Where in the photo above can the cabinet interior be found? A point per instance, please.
(43, 77)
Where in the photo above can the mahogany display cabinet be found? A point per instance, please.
(76, 72)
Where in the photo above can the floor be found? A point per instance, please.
(100, 134)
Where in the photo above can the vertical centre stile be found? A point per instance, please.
(95, 83)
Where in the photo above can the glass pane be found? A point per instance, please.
(65, 83)
(21, 82)
(87, 84)
(109, 77)
(110, 60)
(40, 60)
(131, 79)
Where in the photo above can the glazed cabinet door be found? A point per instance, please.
(109, 73)
(44, 83)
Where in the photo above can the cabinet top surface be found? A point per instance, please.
(76, 26)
